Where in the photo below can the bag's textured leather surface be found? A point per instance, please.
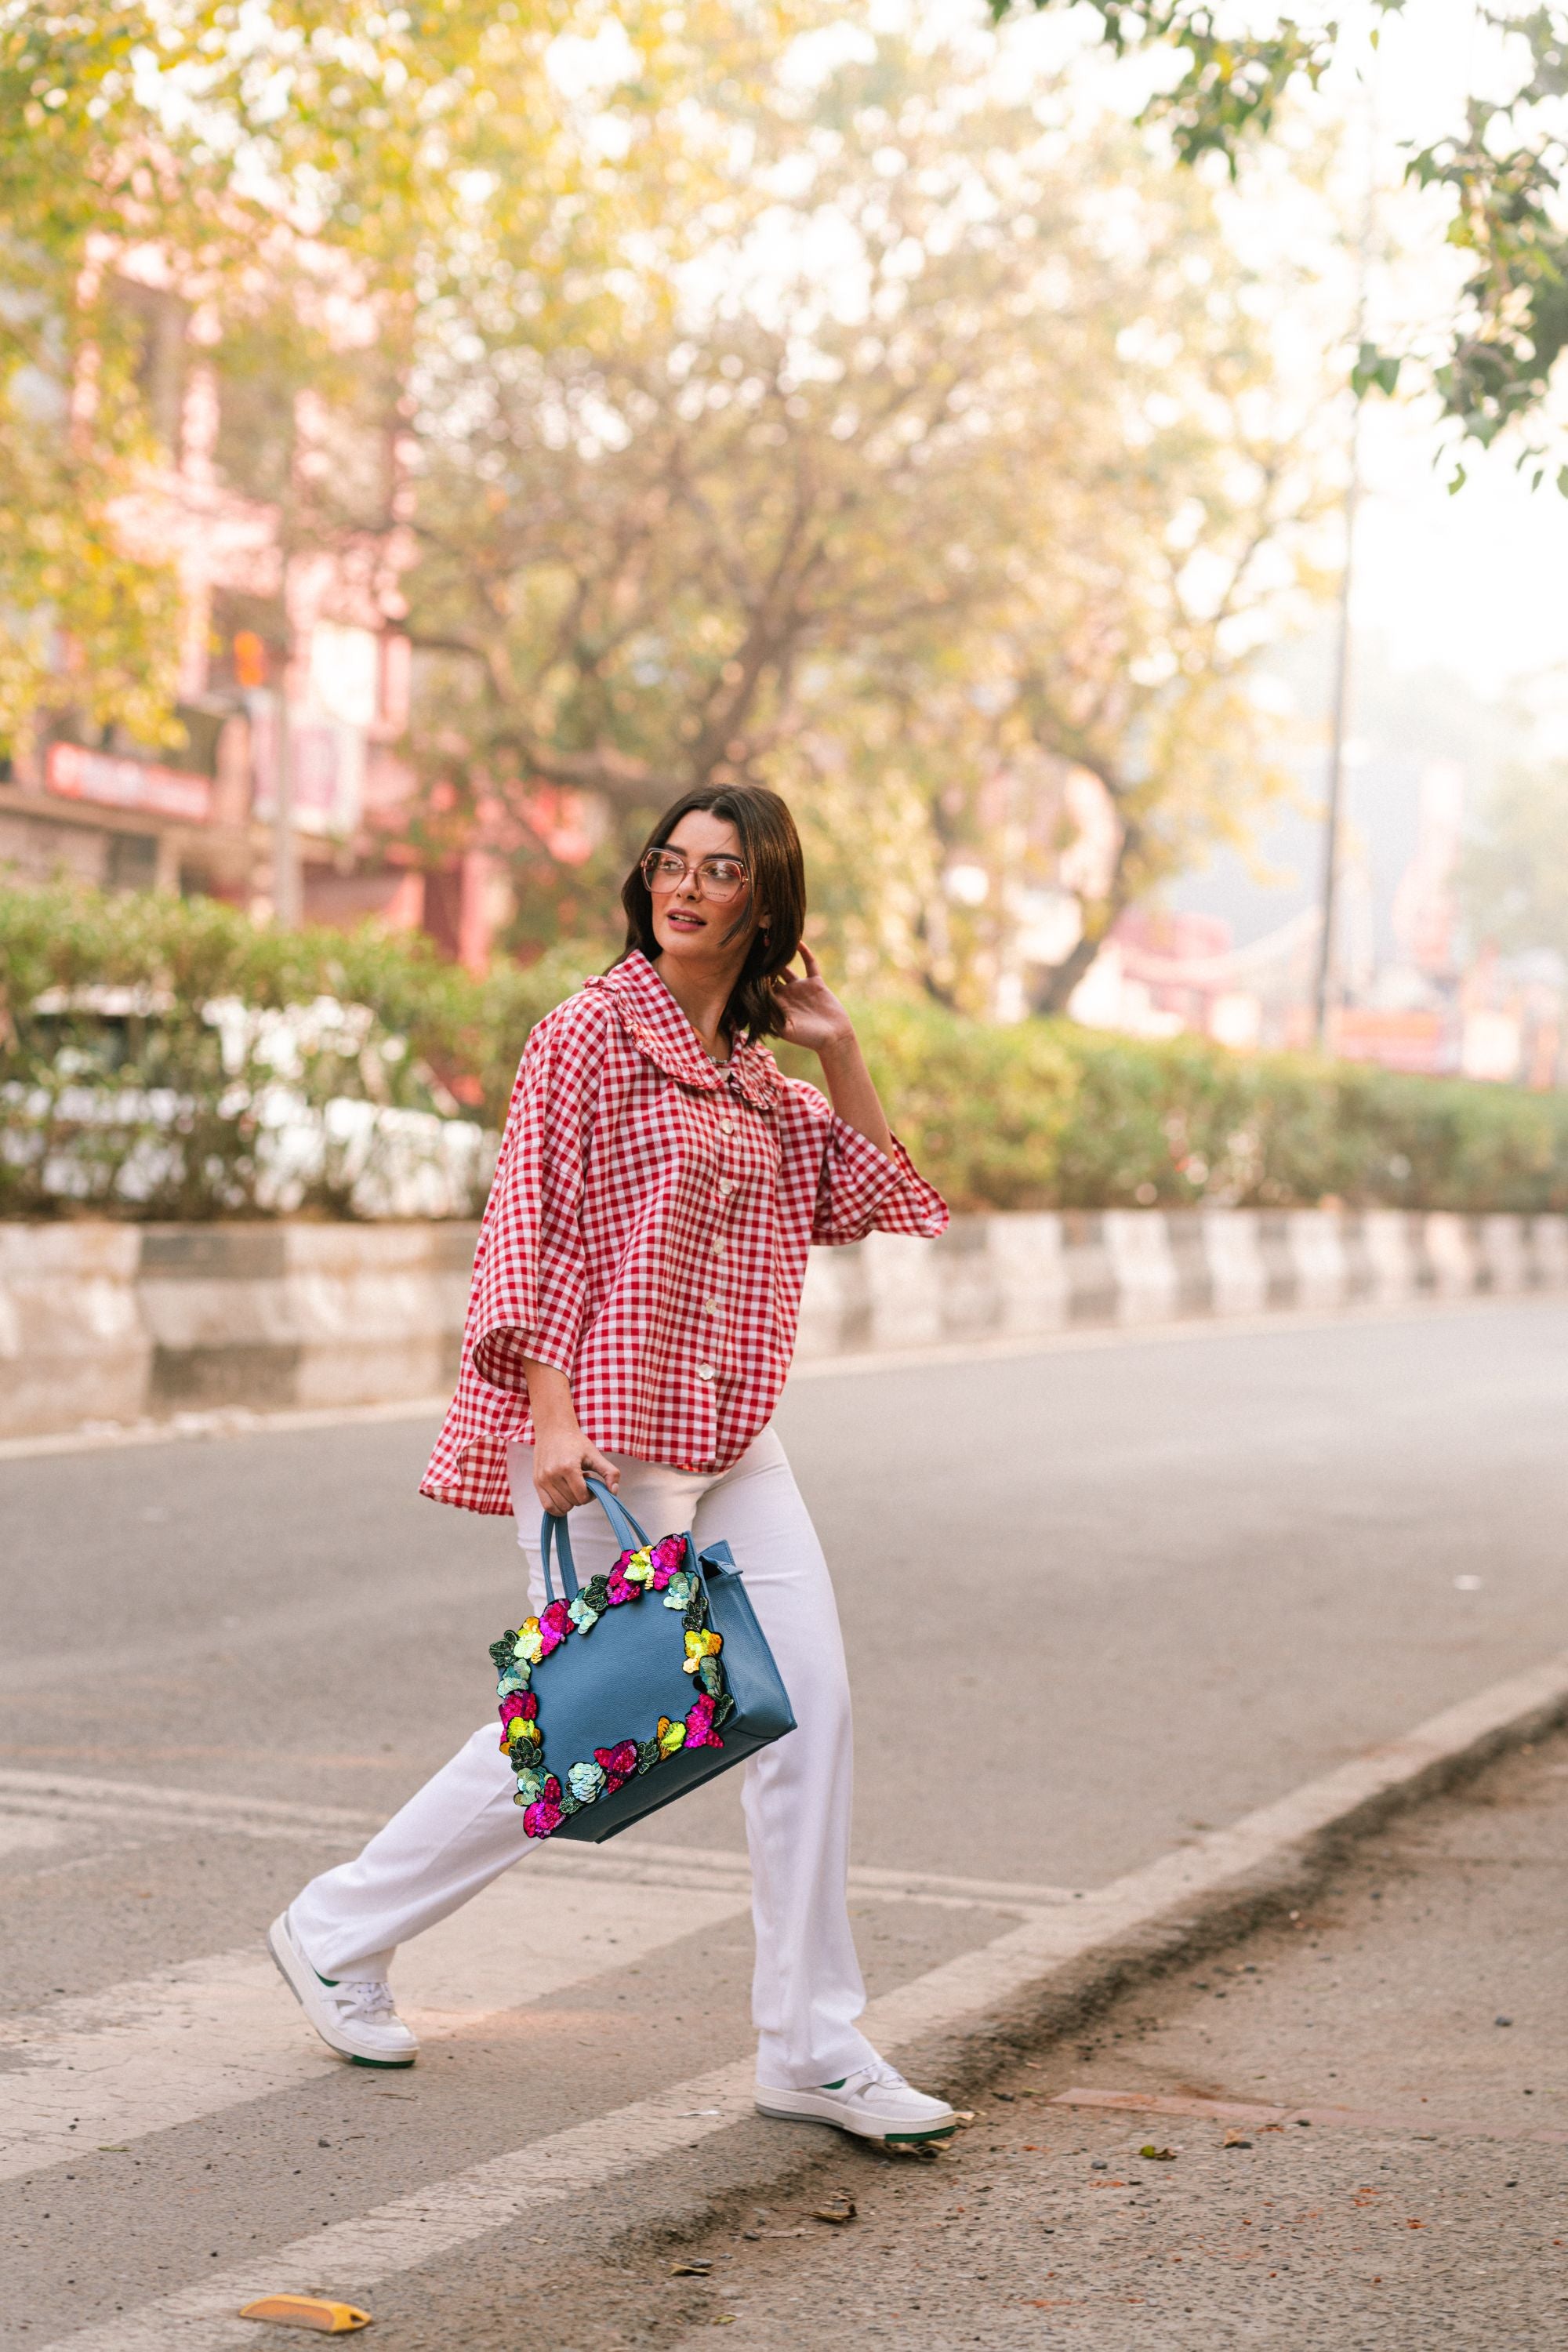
(615, 1682)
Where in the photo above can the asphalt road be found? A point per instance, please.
(1096, 1598)
(1130, 1589)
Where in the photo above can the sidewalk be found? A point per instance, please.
(1424, 1991)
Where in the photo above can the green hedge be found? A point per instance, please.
(1044, 1115)
(1047, 1115)
(119, 1094)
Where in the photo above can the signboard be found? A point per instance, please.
(1415, 1041)
(79, 775)
(326, 773)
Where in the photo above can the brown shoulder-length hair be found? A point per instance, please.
(770, 848)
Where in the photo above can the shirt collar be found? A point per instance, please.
(658, 1028)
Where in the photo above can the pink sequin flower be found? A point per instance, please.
(667, 1556)
(699, 1731)
(545, 1814)
(617, 1764)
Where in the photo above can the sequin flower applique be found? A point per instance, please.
(549, 1798)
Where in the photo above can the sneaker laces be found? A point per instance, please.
(879, 2071)
(367, 1998)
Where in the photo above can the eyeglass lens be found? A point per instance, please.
(717, 878)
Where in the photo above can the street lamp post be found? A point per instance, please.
(268, 707)
(286, 896)
(1323, 986)
(1338, 720)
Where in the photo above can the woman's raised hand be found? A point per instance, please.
(812, 1015)
(815, 1018)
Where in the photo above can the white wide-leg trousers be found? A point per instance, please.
(462, 1829)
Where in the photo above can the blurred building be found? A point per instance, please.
(292, 652)
(1164, 973)
(1234, 955)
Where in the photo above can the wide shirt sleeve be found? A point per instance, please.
(860, 1190)
(531, 1286)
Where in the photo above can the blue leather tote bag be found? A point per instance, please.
(628, 1691)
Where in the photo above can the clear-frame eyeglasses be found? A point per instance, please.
(718, 878)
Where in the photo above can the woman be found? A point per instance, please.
(632, 1317)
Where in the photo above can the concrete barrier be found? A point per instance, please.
(1000, 1276)
(73, 1346)
(118, 1323)
(103, 1322)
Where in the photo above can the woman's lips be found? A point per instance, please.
(683, 922)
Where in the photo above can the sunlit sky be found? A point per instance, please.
(1476, 582)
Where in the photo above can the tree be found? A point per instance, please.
(81, 617)
(1007, 478)
(1501, 167)
(280, 171)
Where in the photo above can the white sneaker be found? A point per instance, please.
(355, 2016)
(874, 2103)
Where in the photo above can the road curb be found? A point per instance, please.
(661, 2168)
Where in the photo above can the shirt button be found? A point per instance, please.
(726, 1185)
(726, 1127)
(718, 1245)
(704, 1372)
(711, 1307)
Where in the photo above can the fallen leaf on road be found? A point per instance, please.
(1154, 2155)
(1236, 2139)
(308, 2311)
(837, 2210)
(690, 2270)
(963, 2117)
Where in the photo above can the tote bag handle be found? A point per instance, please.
(624, 1527)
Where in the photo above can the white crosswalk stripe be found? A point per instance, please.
(192, 2040)
(209, 2034)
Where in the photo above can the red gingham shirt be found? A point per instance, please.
(647, 1235)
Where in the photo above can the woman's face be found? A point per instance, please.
(691, 927)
